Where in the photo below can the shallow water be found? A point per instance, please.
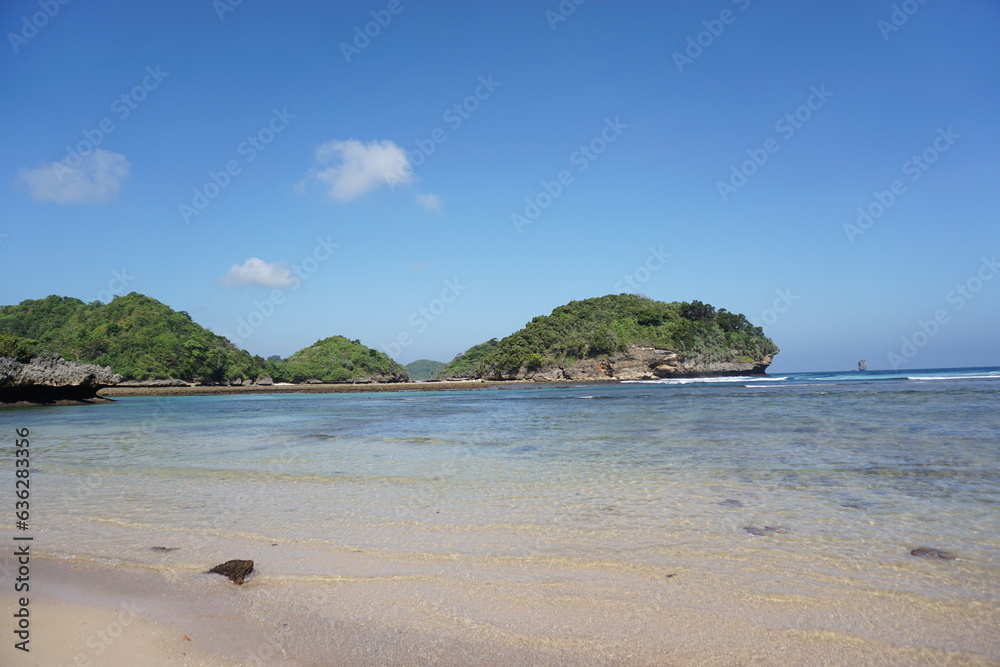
(600, 491)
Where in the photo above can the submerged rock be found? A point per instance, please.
(731, 502)
(766, 531)
(163, 549)
(49, 378)
(932, 554)
(236, 570)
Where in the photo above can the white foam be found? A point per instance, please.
(707, 380)
(954, 377)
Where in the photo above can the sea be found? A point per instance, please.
(777, 512)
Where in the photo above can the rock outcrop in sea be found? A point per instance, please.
(49, 379)
(640, 362)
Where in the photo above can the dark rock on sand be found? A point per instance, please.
(236, 570)
(163, 549)
(932, 554)
(49, 379)
(766, 531)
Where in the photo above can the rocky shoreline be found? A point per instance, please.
(641, 362)
(311, 388)
(51, 380)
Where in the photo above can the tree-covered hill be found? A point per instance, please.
(609, 325)
(469, 363)
(337, 359)
(141, 339)
(423, 369)
(137, 336)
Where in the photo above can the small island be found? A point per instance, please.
(146, 347)
(621, 337)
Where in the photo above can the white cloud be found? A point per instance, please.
(349, 169)
(256, 271)
(430, 202)
(98, 178)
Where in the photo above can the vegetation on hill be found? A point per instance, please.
(469, 363)
(423, 369)
(20, 349)
(138, 337)
(337, 359)
(606, 326)
(142, 339)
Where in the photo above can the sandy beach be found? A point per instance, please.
(470, 613)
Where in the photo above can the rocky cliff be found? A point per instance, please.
(49, 379)
(640, 362)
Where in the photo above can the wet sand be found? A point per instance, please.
(484, 612)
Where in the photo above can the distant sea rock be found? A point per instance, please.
(640, 362)
(49, 379)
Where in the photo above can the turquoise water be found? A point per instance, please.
(855, 470)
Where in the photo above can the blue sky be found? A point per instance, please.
(284, 176)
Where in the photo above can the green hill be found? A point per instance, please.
(607, 326)
(136, 336)
(142, 339)
(423, 369)
(337, 359)
(471, 362)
